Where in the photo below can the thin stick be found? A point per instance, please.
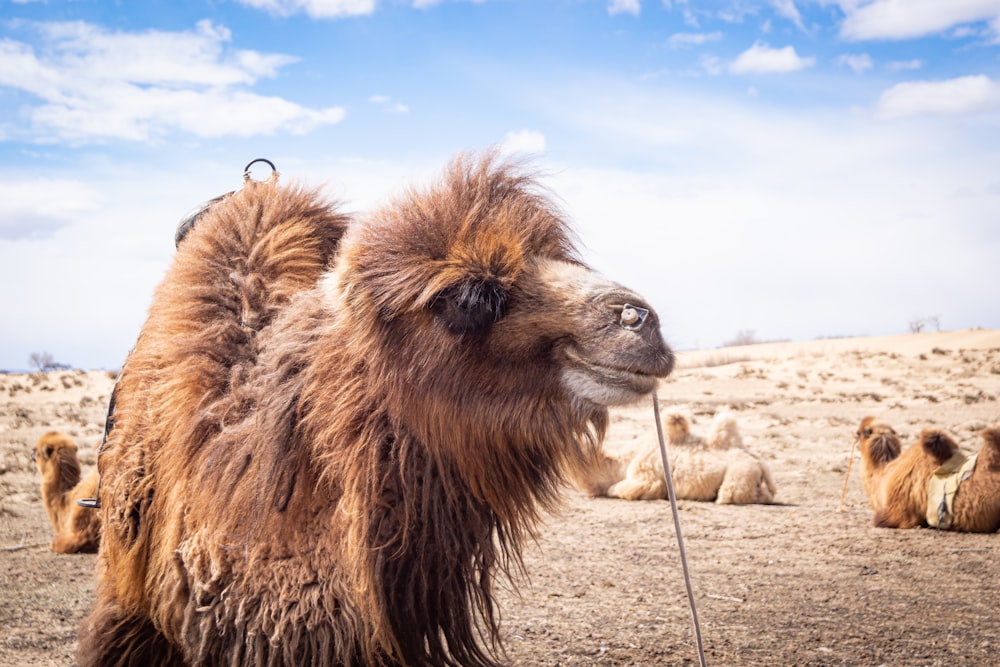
(22, 545)
(850, 462)
(677, 531)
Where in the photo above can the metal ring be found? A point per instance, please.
(246, 169)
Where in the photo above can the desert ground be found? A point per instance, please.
(793, 583)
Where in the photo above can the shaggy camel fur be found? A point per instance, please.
(896, 481)
(334, 436)
(715, 467)
(78, 530)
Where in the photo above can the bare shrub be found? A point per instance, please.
(742, 337)
(918, 324)
(44, 361)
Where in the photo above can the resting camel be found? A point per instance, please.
(77, 529)
(712, 468)
(931, 482)
(335, 434)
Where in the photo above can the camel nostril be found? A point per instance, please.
(633, 317)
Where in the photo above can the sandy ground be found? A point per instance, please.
(795, 583)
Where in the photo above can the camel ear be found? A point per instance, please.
(470, 307)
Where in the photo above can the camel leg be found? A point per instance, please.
(633, 489)
(110, 637)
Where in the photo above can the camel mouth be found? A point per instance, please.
(603, 384)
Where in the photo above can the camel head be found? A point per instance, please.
(605, 339)
(879, 446)
(879, 442)
(472, 299)
(55, 456)
(678, 428)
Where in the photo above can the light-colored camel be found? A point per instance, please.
(712, 468)
(334, 435)
(77, 529)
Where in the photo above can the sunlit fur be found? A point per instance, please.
(77, 529)
(711, 468)
(333, 436)
(898, 487)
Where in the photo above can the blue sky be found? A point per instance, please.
(795, 168)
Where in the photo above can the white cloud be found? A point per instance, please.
(424, 4)
(904, 65)
(859, 62)
(623, 7)
(711, 64)
(895, 19)
(156, 57)
(787, 9)
(93, 83)
(317, 9)
(762, 59)
(35, 209)
(964, 95)
(523, 141)
(387, 104)
(682, 40)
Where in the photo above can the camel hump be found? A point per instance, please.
(938, 444)
(724, 432)
(990, 451)
(991, 438)
(248, 255)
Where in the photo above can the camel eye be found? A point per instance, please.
(471, 307)
(867, 433)
(633, 317)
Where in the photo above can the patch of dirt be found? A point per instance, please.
(796, 583)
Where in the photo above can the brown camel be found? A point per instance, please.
(333, 436)
(932, 482)
(77, 529)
